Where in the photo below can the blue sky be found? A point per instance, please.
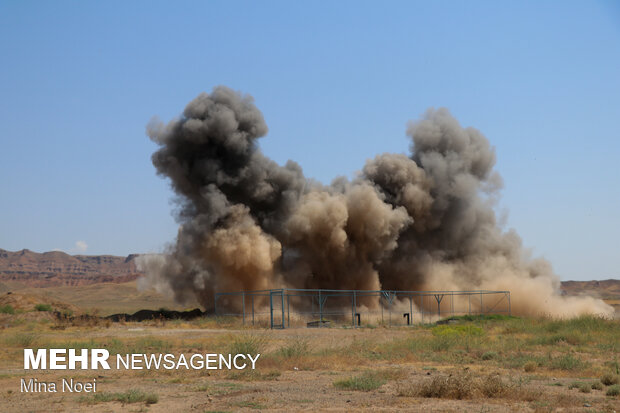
(337, 83)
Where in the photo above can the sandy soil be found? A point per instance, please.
(310, 388)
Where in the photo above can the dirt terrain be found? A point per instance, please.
(504, 364)
(483, 364)
(104, 298)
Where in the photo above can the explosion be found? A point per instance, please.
(421, 222)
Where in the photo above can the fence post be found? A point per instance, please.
(390, 308)
(282, 305)
(411, 309)
(439, 299)
(353, 309)
(452, 303)
(493, 307)
(509, 309)
(422, 307)
(271, 307)
(382, 320)
(355, 306)
(320, 310)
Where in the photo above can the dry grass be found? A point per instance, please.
(609, 378)
(457, 385)
(365, 382)
(384, 365)
(253, 375)
(613, 390)
(530, 366)
(106, 298)
(129, 396)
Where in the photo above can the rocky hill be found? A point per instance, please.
(26, 268)
(56, 268)
(606, 289)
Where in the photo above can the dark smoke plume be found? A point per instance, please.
(405, 223)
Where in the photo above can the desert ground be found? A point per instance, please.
(474, 364)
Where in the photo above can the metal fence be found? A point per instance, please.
(287, 307)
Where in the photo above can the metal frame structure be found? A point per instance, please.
(312, 304)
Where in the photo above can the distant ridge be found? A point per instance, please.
(606, 289)
(57, 268)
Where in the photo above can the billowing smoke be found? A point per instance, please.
(405, 223)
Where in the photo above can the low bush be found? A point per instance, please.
(567, 362)
(365, 382)
(489, 355)
(457, 330)
(253, 375)
(613, 390)
(458, 386)
(7, 309)
(585, 387)
(297, 348)
(609, 378)
(130, 396)
(247, 344)
(22, 340)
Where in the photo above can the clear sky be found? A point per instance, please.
(336, 81)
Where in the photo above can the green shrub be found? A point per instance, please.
(597, 385)
(609, 378)
(90, 344)
(489, 355)
(130, 396)
(613, 390)
(457, 330)
(443, 343)
(614, 365)
(115, 346)
(23, 340)
(585, 387)
(150, 344)
(519, 360)
(567, 362)
(7, 309)
(297, 348)
(485, 317)
(253, 375)
(247, 344)
(43, 307)
(572, 338)
(365, 382)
